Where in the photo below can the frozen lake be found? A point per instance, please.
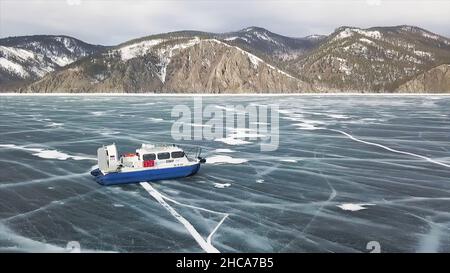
(348, 170)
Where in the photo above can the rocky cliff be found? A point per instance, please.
(435, 80)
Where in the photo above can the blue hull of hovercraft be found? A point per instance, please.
(146, 175)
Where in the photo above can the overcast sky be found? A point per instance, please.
(111, 22)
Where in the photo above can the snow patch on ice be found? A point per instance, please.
(231, 109)
(309, 124)
(239, 136)
(286, 112)
(354, 207)
(156, 119)
(224, 151)
(289, 160)
(45, 153)
(54, 154)
(144, 104)
(54, 124)
(98, 113)
(244, 133)
(196, 124)
(259, 123)
(222, 186)
(337, 116)
(303, 123)
(223, 159)
(232, 141)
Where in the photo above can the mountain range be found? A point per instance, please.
(251, 60)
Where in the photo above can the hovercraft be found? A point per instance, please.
(148, 163)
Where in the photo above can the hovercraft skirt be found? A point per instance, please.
(145, 175)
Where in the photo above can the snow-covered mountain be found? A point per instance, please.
(375, 59)
(174, 62)
(277, 46)
(250, 60)
(28, 58)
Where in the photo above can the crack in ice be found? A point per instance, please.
(205, 245)
(390, 149)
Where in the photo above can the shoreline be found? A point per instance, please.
(218, 95)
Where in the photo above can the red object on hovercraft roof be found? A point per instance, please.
(129, 155)
(149, 163)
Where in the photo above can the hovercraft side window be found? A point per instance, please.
(149, 157)
(163, 155)
(178, 154)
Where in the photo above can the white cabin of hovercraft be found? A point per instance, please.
(148, 156)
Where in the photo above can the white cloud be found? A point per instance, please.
(73, 2)
(115, 21)
(374, 2)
